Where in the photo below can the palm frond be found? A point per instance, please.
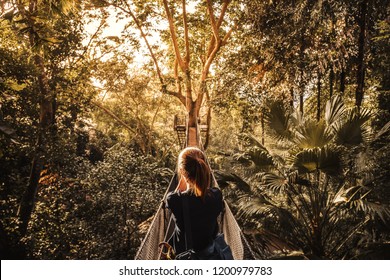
(278, 121)
(355, 198)
(330, 160)
(274, 182)
(326, 159)
(345, 194)
(279, 160)
(372, 208)
(255, 206)
(385, 129)
(255, 158)
(275, 219)
(297, 118)
(295, 178)
(334, 110)
(352, 131)
(312, 134)
(231, 180)
(250, 140)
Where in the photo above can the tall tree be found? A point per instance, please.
(187, 48)
(33, 21)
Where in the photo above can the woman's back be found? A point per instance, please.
(203, 214)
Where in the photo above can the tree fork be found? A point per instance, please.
(183, 62)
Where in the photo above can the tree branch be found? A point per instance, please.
(220, 20)
(111, 114)
(129, 11)
(176, 94)
(228, 34)
(173, 36)
(186, 39)
(209, 60)
(143, 35)
(223, 11)
(90, 41)
(177, 79)
(212, 20)
(214, 46)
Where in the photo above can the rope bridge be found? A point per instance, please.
(162, 225)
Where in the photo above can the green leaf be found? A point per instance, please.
(231, 179)
(385, 129)
(52, 40)
(313, 134)
(352, 131)
(14, 85)
(327, 159)
(255, 158)
(334, 110)
(278, 121)
(275, 182)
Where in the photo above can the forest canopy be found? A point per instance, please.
(293, 95)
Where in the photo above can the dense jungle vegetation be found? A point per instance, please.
(295, 95)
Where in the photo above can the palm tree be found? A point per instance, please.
(307, 190)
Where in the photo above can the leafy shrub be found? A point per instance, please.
(96, 215)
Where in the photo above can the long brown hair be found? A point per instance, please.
(192, 165)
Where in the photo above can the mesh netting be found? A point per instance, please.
(158, 229)
(149, 247)
(234, 237)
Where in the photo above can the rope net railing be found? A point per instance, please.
(162, 225)
(158, 229)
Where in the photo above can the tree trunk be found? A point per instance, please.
(27, 203)
(46, 122)
(262, 127)
(342, 82)
(361, 67)
(208, 123)
(301, 103)
(318, 95)
(331, 79)
(302, 66)
(192, 115)
(292, 97)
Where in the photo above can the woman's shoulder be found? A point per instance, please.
(174, 198)
(216, 192)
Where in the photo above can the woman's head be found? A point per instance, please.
(193, 167)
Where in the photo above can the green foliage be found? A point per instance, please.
(277, 118)
(96, 215)
(319, 186)
(317, 200)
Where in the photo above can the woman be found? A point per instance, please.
(204, 202)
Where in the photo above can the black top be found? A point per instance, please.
(203, 218)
